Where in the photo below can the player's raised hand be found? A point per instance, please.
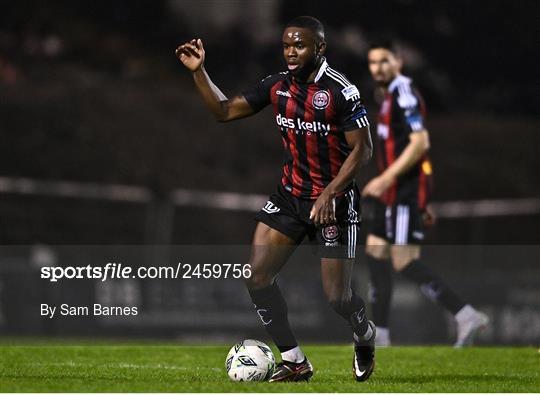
(191, 54)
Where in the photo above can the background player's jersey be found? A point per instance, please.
(402, 112)
(312, 119)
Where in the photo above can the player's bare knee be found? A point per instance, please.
(377, 247)
(377, 251)
(259, 279)
(260, 276)
(402, 256)
(400, 263)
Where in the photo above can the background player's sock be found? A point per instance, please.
(380, 292)
(432, 286)
(272, 310)
(293, 355)
(354, 312)
(383, 337)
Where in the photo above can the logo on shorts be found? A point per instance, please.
(330, 233)
(270, 208)
(321, 99)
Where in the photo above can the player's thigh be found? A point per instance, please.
(377, 247)
(270, 250)
(336, 275)
(402, 255)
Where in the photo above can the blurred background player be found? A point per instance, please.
(324, 129)
(401, 193)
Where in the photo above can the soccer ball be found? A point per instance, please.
(250, 360)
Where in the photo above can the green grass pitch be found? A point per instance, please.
(158, 367)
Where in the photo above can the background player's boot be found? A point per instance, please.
(290, 371)
(469, 322)
(364, 356)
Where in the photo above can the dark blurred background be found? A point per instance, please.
(105, 140)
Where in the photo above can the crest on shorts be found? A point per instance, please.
(330, 233)
(321, 99)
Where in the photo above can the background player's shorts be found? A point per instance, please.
(398, 224)
(290, 216)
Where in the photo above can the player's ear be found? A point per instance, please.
(321, 48)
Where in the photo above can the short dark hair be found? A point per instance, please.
(385, 43)
(308, 22)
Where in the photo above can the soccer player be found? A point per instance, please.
(323, 127)
(402, 191)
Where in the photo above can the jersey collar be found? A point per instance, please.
(322, 69)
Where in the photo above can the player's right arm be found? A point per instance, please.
(413, 152)
(192, 56)
(418, 145)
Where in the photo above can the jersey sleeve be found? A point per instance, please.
(410, 102)
(351, 110)
(258, 96)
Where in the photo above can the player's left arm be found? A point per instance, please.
(413, 152)
(359, 140)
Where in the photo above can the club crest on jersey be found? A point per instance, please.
(270, 208)
(330, 233)
(320, 100)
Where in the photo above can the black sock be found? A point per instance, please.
(354, 312)
(272, 310)
(432, 286)
(381, 286)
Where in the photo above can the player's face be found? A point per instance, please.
(300, 50)
(384, 65)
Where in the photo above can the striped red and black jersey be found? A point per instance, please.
(312, 119)
(403, 112)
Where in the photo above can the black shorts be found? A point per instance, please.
(290, 216)
(399, 224)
